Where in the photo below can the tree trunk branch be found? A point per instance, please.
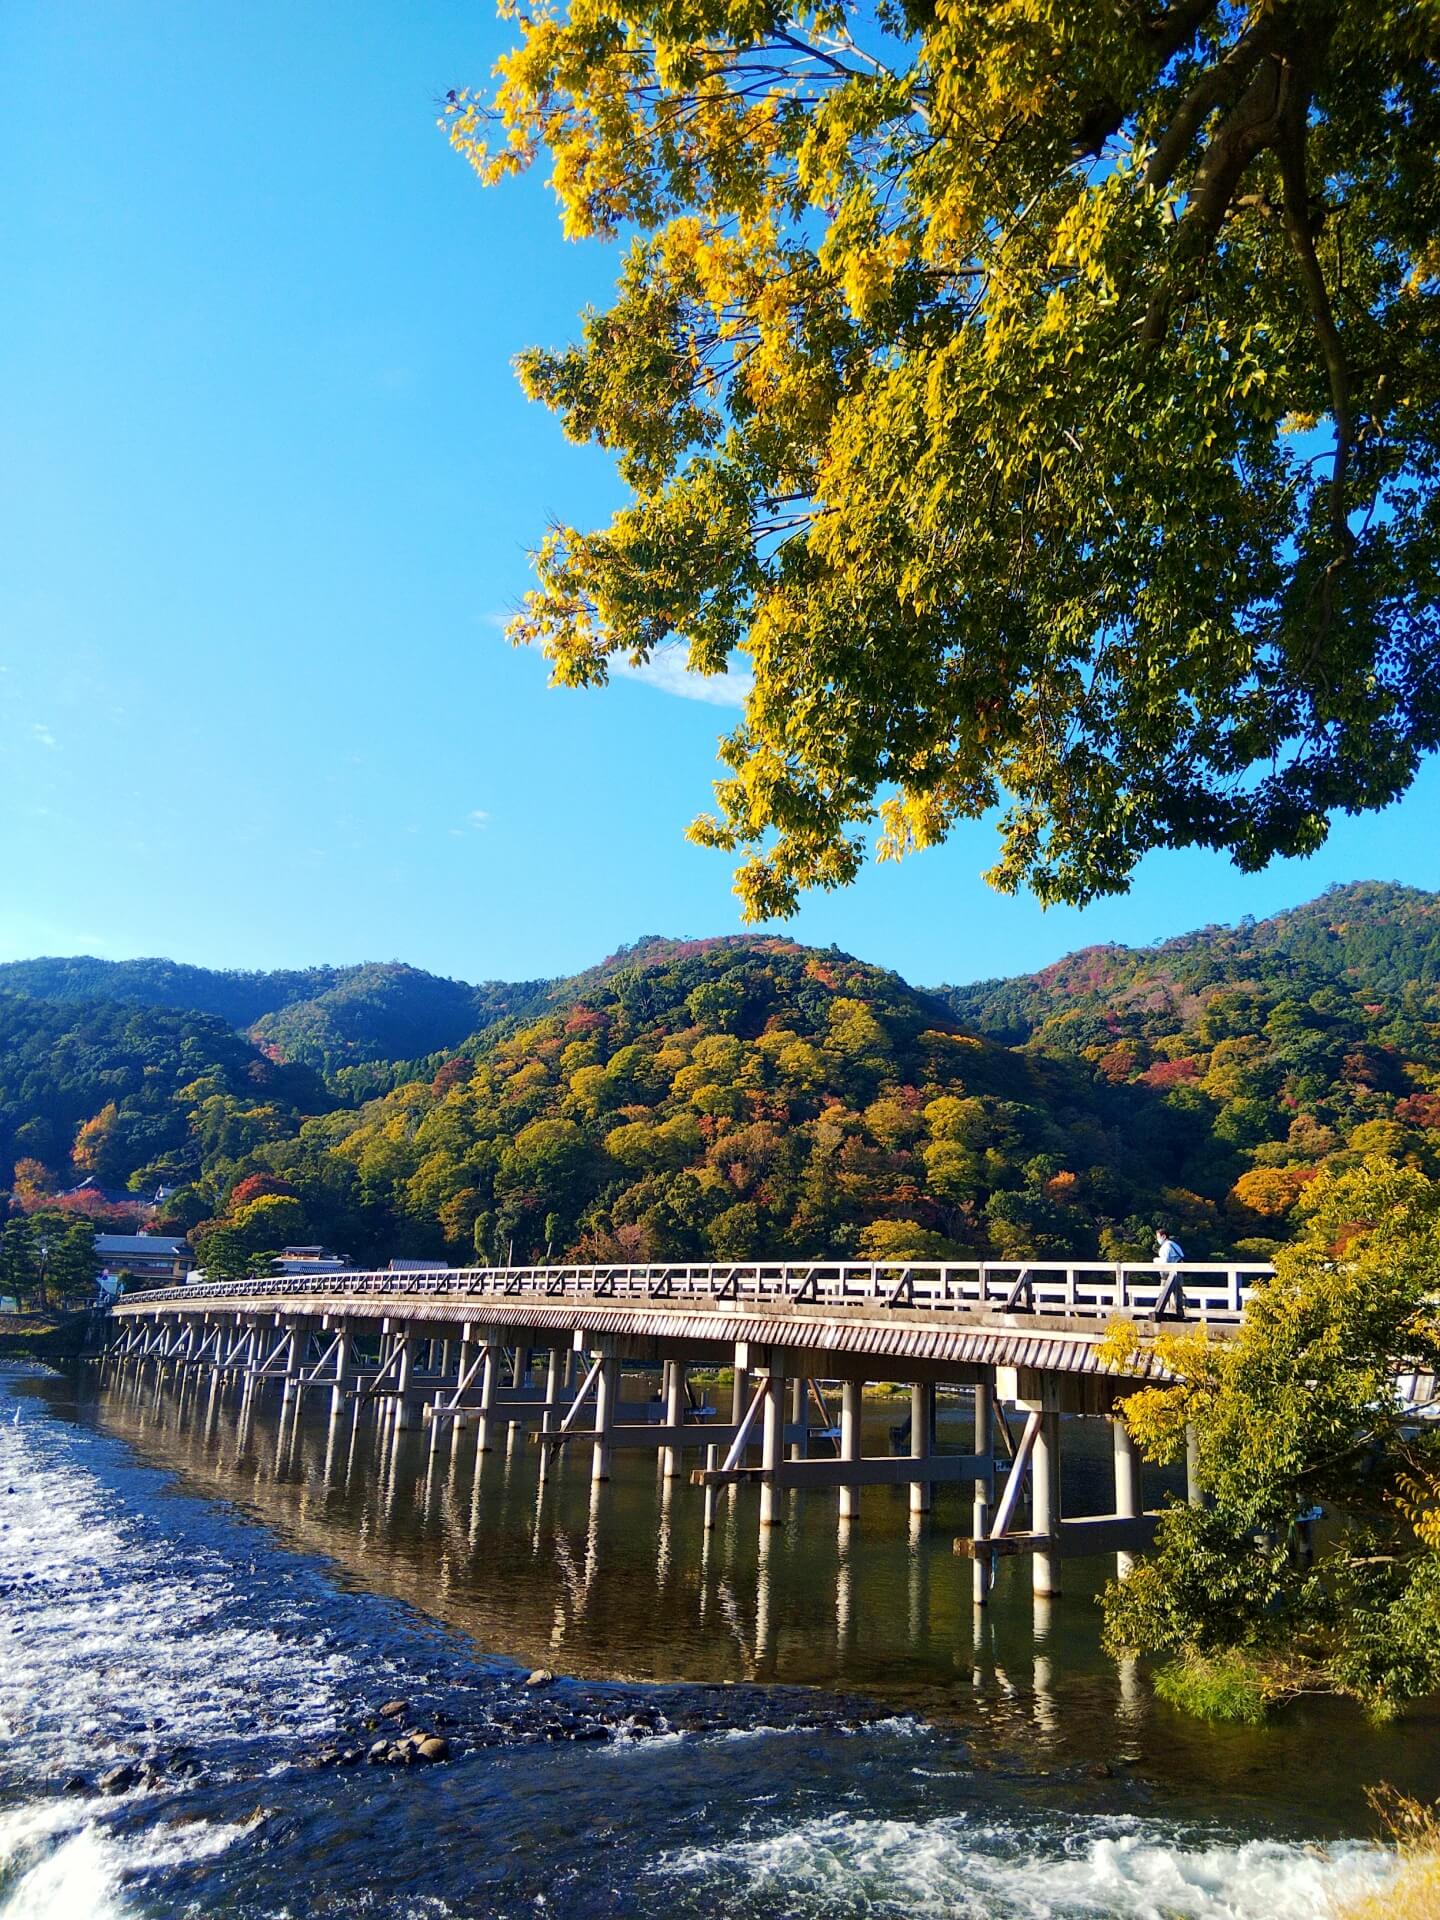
(1300, 225)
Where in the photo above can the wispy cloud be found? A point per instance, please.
(667, 672)
(476, 821)
(44, 736)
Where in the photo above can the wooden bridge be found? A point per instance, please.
(546, 1348)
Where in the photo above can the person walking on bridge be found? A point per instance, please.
(1168, 1251)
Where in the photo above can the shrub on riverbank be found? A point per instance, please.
(1299, 1411)
(1227, 1687)
(41, 1336)
(21, 1333)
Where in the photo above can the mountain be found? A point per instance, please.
(723, 1097)
(325, 1017)
(386, 1012)
(1368, 938)
(237, 997)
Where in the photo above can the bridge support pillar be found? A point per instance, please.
(465, 1358)
(607, 1386)
(740, 1388)
(1192, 1468)
(773, 1444)
(1045, 1502)
(800, 1418)
(555, 1364)
(299, 1331)
(341, 1330)
(489, 1372)
(1127, 1486)
(984, 1493)
(922, 1419)
(404, 1367)
(674, 1387)
(850, 1405)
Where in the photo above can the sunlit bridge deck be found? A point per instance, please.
(1070, 1290)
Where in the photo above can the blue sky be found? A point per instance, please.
(267, 485)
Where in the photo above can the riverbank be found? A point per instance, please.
(27, 1336)
(237, 1633)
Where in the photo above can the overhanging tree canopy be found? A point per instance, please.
(1044, 396)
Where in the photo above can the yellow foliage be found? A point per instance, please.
(1413, 1891)
(928, 386)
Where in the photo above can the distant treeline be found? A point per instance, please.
(727, 1098)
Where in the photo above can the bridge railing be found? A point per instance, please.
(1212, 1292)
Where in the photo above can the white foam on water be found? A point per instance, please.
(117, 1640)
(841, 1865)
(73, 1882)
(903, 1726)
(627, 1741)
(85, 1875)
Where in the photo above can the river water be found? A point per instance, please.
(818, 1728)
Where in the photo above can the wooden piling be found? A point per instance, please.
(984, 1494)
(1127, 1486)
(851, 1392)
(671, 1457)
(773, 1441)
(922, 1418)
(607, 1384)
(1045, 1503)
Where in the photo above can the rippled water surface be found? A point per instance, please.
(816, 1727)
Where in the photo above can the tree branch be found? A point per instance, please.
(1252, 125)
(1300, 225)
(1174, 28)
(1218, 86)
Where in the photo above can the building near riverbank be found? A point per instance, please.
(154, 1259)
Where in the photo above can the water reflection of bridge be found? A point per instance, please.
(621, 1578)
(493, 1352)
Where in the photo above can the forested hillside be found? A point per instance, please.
(237, 997)
(326, 1017)
(722, 1098)
(1367, 938)
(111, 1091)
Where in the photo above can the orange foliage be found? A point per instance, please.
(1269, 1193)
(34, 1184)
(258, 1186)
(1171, 1073)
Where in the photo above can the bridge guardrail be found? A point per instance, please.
(1212, 1292)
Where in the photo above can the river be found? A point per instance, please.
(819, 1729)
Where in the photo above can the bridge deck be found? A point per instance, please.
(1095, 1290)
(948, 1317)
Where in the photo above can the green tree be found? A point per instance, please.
(272, 1221)
(19, 1266)
(1301, 1409)
(48, 1256)
(1044, 400)
(225, 1253)
(71, 1264)
(902, 1240)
